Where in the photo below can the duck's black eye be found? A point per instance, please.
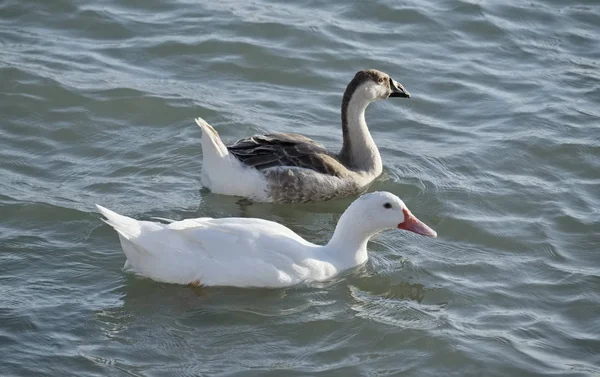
(380, 80)
(387, 205)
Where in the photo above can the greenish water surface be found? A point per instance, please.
(498, 150)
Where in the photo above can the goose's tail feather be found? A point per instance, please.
(223, 173)
(211, 142)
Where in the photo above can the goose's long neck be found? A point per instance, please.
(359, 151)
(348, 246)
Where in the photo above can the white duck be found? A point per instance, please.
(250, 252)
(286, 167)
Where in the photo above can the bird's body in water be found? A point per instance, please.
(287, 168)
(251, 252)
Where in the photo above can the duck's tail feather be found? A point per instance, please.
(211, 142)
(169, 221)
(126, 226)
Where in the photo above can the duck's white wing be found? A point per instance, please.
(232, 251)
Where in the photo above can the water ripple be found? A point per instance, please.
(497, 150)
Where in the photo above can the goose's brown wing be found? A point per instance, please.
(292, 150)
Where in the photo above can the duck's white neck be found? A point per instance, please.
(348, 246)
(359, 151)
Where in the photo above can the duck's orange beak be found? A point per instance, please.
(415, 225)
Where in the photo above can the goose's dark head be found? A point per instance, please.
(373, 85)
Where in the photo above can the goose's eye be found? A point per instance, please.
(387, 205)
(380, 80)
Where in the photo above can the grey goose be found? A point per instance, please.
(288, 167)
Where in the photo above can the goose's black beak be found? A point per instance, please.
(398, 90)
